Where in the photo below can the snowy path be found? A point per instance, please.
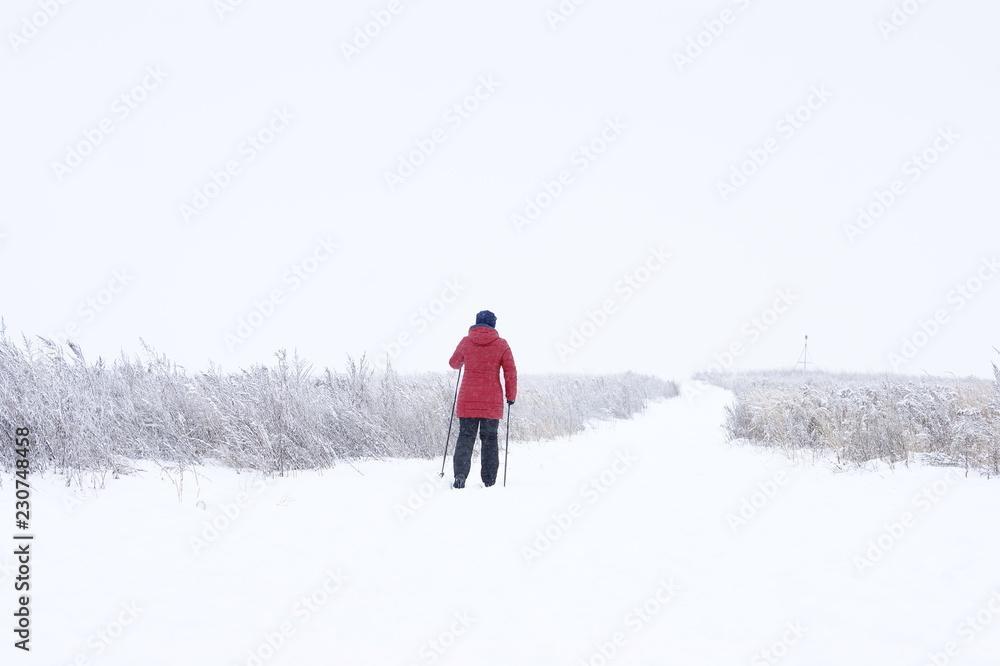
(646, 564)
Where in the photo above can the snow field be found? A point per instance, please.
(648, 541)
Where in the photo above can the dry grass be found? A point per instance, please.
(861, 418)
(104, 417)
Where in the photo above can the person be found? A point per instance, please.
(480, 399)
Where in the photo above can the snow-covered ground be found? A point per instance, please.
(643, 542)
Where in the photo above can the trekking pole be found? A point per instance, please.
(506, 447)
(447, 440)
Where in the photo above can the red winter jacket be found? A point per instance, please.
(484, 352)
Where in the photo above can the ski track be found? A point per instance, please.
(664, 519)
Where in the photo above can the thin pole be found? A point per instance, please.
(447, 439)
(804, 357)
(506, 447)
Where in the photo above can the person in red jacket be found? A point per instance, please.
(480, 399)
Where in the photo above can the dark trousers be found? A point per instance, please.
(490, 454)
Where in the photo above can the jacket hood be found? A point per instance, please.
(483, 335)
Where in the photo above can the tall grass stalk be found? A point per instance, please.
(860, 418)
(105, 417)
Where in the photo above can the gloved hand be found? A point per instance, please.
(510, 402)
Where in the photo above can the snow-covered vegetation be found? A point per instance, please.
(860, 418)
(105, 416)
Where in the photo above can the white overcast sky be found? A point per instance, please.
(678, 131)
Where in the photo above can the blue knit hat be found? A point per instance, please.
(486, 318)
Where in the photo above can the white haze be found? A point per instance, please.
(338, 126)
